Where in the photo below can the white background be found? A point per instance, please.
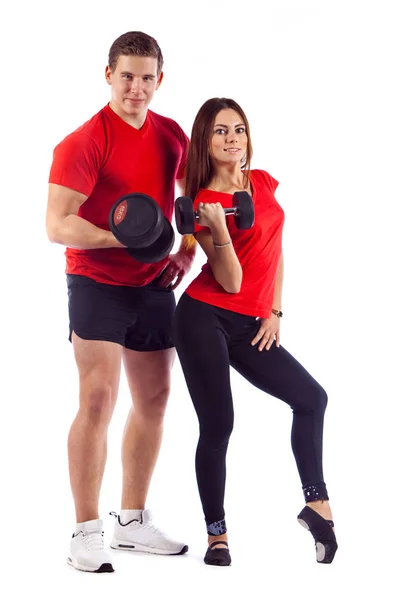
(318, 81)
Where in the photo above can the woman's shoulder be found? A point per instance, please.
(264, 178)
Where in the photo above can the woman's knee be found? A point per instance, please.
(311, 400)
(317, 399)
(216, 434)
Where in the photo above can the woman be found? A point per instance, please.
(230, 315)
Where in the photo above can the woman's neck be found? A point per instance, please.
(225, 180)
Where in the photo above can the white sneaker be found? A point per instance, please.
(144, 536)
(87, 549)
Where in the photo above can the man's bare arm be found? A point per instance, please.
(63, 225)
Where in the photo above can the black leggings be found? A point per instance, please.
(208, 339)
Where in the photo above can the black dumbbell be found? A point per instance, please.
(242, 209)
(138, 222)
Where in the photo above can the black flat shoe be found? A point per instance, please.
(219, 557)
(322, 531)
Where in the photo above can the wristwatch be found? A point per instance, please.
(277, 313)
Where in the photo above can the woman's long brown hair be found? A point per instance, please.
(199, 169)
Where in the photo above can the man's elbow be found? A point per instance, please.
(53, 233)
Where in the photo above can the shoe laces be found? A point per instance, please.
(150, 526)
(93, 541)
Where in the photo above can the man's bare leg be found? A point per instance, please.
(149, 378)
(148, 375)
(99, 365)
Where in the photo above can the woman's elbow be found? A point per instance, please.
(234, 286)
(233, 290)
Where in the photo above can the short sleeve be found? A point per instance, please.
(272, 183)
(185, 148)
(76, 163)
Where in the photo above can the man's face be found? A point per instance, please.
(133, 83)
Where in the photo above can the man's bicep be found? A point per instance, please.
(62, 201)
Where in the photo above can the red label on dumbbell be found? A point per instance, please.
(120, 212)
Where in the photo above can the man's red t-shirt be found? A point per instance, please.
(258, 250)
(105, 159)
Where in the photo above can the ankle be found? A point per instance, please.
(127, 515)
(322, 507)
(218, 538)
(320, 503)
(86, 517)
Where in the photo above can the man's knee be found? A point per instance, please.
(97, 403)
(153, 407)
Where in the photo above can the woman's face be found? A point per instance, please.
(228, 144)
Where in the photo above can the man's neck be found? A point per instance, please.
(136, 121)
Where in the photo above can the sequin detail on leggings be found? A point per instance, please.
(315, 492)
(217, 528)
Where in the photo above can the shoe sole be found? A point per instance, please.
(104, 568)
(325, 553)
(122, 545)
(217, 561)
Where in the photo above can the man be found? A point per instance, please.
(119, 309)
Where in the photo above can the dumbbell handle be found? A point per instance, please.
(234, 210)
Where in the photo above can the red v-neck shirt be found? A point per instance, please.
(258, 250)
(105, 159)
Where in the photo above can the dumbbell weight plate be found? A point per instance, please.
(184, 215)
(136, 220)
(158, 249)
(244, 219)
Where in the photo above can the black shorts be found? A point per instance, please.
(138, 318)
